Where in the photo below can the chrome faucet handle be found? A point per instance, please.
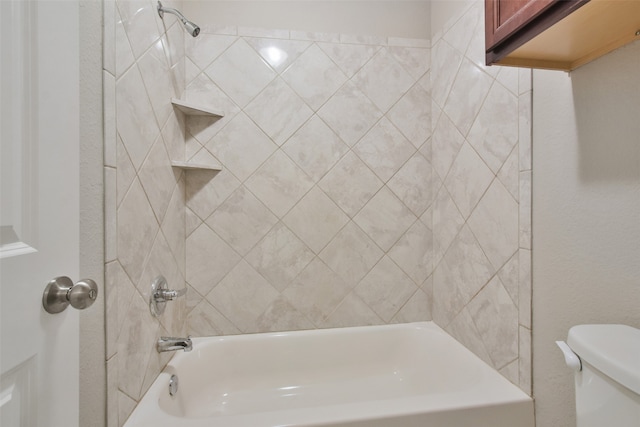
(160, 294)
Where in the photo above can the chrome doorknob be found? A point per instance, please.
(60, 292)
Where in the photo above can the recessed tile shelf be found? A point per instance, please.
(196, 166)
(191, 109)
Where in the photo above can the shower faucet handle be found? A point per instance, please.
(160, 294)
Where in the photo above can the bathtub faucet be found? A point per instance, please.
(172, 344)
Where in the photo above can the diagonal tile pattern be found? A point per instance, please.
(362, 178)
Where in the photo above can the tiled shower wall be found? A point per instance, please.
(320, 216)
(144, 195)
(482, 183)
(335, 206)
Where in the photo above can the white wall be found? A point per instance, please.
(586, 213)
(384, 18)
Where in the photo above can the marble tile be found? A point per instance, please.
(509, 276)
(126, 405)
(315, 148)
(524, 132)
(524, 80)
(109, 117)
(352, 312)
(385, 289)
(135, 344)
(413, 184)
(243, 296)
(412, 115)
(524, 366)
(510, 372)
(350, 113)
(362, 39)
(509, 78)
(384, 149)
(525, 210)
(112, 388)
(157, 361)
(242, 220)
(385, 219)
(476, 51)
(109, 37)
(157, 78)
(446, 143)
(173, 226)
(495, 131)
(204, 92)
(408, 42)
(445, 61)
(157, 178)
(280, 256)
(192, 221)
(314, 77)
(174, 47)
(207, 190)
(494, 222)
(524, 292)
(509, 175)
(383, 80)
(496, 319)
(241, 146)
(240, 72)
(349, 57)
(415, 60)
(447, 222)
(316, 219)
(205, 48)
(138, 19)
(110, 214)
(209, 259)
(204, 321)
(362, 184)
(414, 252)
(317, 291)
(137, 228)
(468, 179)
(416, 309)
(467, 95)
(280, 54)
(135, 117)
(460, 34)
(463, 271)
(351, 254)
(279, 111)
(279, 183)
(230, 30)
(173, 135)
(282, 316)
(112, 271)
(463, 329)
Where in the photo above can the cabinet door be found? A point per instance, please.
(505, 17)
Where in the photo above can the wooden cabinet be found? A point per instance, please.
(557, 34)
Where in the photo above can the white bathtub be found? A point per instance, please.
(376, 376)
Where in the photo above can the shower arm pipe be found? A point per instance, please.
(192, 28)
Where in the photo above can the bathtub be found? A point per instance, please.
(405, 375)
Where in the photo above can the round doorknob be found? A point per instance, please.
(60, 292)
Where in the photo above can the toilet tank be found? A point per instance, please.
(608, 385)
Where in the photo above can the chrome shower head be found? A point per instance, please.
(191, 28)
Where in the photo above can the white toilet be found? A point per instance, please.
(607, 374)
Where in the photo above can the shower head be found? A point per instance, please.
(191, 28)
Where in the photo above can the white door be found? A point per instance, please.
(39, 210)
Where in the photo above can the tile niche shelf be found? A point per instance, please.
(193, 109)
(196, 166)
